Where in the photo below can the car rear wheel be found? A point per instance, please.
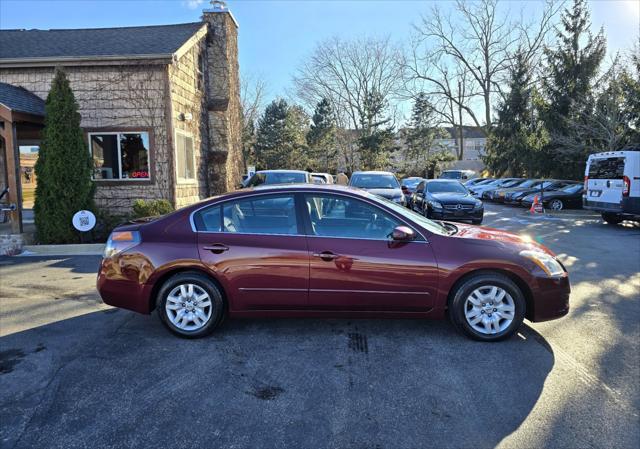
(556, 204)
(190, 305)
(612, 218)
(487, 307)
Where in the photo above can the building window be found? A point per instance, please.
(185, 157)
(120, 155)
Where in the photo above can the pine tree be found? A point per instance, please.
(572, 69)
(63, 168)
(376, 142)
(280, 140)
(321, 138)
(516, 140)
(420, 136)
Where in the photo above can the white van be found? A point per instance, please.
(612, 185)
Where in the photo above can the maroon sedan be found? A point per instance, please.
(327, 251)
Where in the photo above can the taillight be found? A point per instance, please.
(586, 183)
(627, 186)
(120, 241)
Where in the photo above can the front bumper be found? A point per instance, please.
(452, 215)
(550, 298)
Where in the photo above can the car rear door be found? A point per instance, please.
(355, 266)
(257, 249)
(605, 180)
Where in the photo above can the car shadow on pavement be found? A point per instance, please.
(114, 378)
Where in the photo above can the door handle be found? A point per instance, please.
(218, 248)
(327, 256)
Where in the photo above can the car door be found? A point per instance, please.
(257, 249)
(355, 266)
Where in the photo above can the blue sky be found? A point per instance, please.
(276, 35)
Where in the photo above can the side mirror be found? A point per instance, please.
(402, 234)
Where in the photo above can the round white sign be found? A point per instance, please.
(84, 220)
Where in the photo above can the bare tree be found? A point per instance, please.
(253, 90)
(477, 43)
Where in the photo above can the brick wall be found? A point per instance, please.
(115, 97)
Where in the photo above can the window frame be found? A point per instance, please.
(124, 130)
(180, 180)
(302, 216)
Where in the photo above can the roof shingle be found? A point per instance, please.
(95, 42)
(20, 99)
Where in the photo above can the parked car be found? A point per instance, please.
(517, 194)
(326, 178)
(447, 199)
(478, 190)
(408, 186)
(477, 181)
(277, 252)
(381, 183)
(567, 197)
(460, 175)
(612, 185)
(509, 183)
(267, 177)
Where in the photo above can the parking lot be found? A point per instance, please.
(77, 373)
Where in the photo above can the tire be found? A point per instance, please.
(556, 204)
(502, 323)
(171, 293)
(612, 218)
(476, 222)
(425, 212)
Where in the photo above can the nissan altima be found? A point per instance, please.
(327, 251)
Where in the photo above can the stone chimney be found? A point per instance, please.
(225, 161)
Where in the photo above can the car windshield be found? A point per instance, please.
(451, 175)
(485, 182)
(276, 178)
(571, 188)
(446, 187)
(374, 181)
(411, 182)
(512, 183)
(429, 225)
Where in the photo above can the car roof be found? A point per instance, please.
(372, 172)
(281, 171)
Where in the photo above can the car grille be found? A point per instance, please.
(458, 206)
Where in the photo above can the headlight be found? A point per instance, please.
(435, 204)
(548, 263)
(478, 204)
(120, 241)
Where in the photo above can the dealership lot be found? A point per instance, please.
(76, 373)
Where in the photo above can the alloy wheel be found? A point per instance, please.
(489, 309)
(556, 205)
(188, 307)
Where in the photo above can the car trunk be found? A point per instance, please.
(605, 180)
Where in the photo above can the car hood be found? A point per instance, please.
(451, 197)
(386, 193)
(497, 236)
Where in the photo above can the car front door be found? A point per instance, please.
(355, 266)
(418, 197)
(258, 251)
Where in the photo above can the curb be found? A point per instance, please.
(88, 249)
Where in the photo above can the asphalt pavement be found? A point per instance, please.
(77, 373)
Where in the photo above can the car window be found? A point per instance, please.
(256, 180)
(209, 219)
(572, 188)
(610, 168)
(374, 181)
(338, 216)
(285, 178)
(261, 215)
(420, 187)
(410, 182)
(446, 187)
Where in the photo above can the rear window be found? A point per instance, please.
(374, 181)
(610, 168)
(451, 175)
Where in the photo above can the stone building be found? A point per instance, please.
(160, 106)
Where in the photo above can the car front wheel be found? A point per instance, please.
(190, 305)
(487, 307)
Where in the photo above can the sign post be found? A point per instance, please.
(84, 221)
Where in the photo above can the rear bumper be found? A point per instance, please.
(118, 291)
(628, 207)
(550, 299)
